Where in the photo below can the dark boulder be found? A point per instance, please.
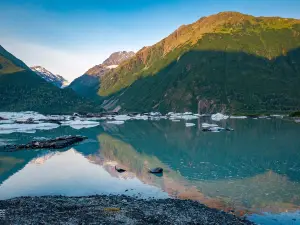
(156, 170)
(28, 121)
(51, 121)
(56, 143)
(120, 170)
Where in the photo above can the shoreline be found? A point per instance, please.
(111, 209)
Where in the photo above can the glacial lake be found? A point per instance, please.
(253, 170)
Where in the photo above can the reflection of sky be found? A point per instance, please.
(69, 173)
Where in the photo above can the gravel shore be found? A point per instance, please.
(111, 210)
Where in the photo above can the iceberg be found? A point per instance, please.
(26, 128)
(238, 117)
(79, 124)
(189, 124)
(117, 122)
(219, 116)
(206, 125)
(122, 117)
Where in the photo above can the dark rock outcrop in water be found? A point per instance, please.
(112, 210)
(156, 170)
(56, 143)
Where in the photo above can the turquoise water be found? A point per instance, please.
(254, 170)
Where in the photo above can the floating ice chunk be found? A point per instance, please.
(6, 121)
(79, 124)
(238, 117)
(187, 113)
(297, 121)
(117, 122)
(263, 117)
(175, 120)
(218, 117)
(206, 125)
(189, 117)
(140, 117)
(155, 114)
(189, 124)
(122, 117)
(26, 128)
(277, 116)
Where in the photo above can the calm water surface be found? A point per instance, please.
(254, 170)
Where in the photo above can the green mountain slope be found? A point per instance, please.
(22, 90)
(228, 61)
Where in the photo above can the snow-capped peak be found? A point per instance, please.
(57, 80)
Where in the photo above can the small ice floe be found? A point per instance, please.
(79, 124)
(297, 120)
(238, 117)
(206, 125)
(263, 117)
(187, 113)
(175, 120)
(6, 121)
(219, 116)
(26, 128)
(189, 117)
(140, 117)
(117, 122)
(155, 114)
(122, 117)
(189, 124)
(277, 116)
(22, 115)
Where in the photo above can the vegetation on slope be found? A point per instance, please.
(227, 61)
(23, 90)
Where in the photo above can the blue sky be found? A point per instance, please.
(70, 36)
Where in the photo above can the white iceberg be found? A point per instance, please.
(141, 117)
(207, 125)
(117, 122)
(155, 114)
(122, 117)
(219, 116)
(26, 128)
(238, 117)
(79, 124)
(189, 124)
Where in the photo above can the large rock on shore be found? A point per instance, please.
(56, 143)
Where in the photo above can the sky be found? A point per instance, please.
(68, 37)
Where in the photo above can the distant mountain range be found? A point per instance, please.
(228, 62)
(87, 84)
(21, 89)
(57, 80)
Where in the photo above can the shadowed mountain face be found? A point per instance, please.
(88, 84)
(211, 81)
(23, 90)
(228, 62)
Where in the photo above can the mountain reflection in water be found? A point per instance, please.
(254, 169)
